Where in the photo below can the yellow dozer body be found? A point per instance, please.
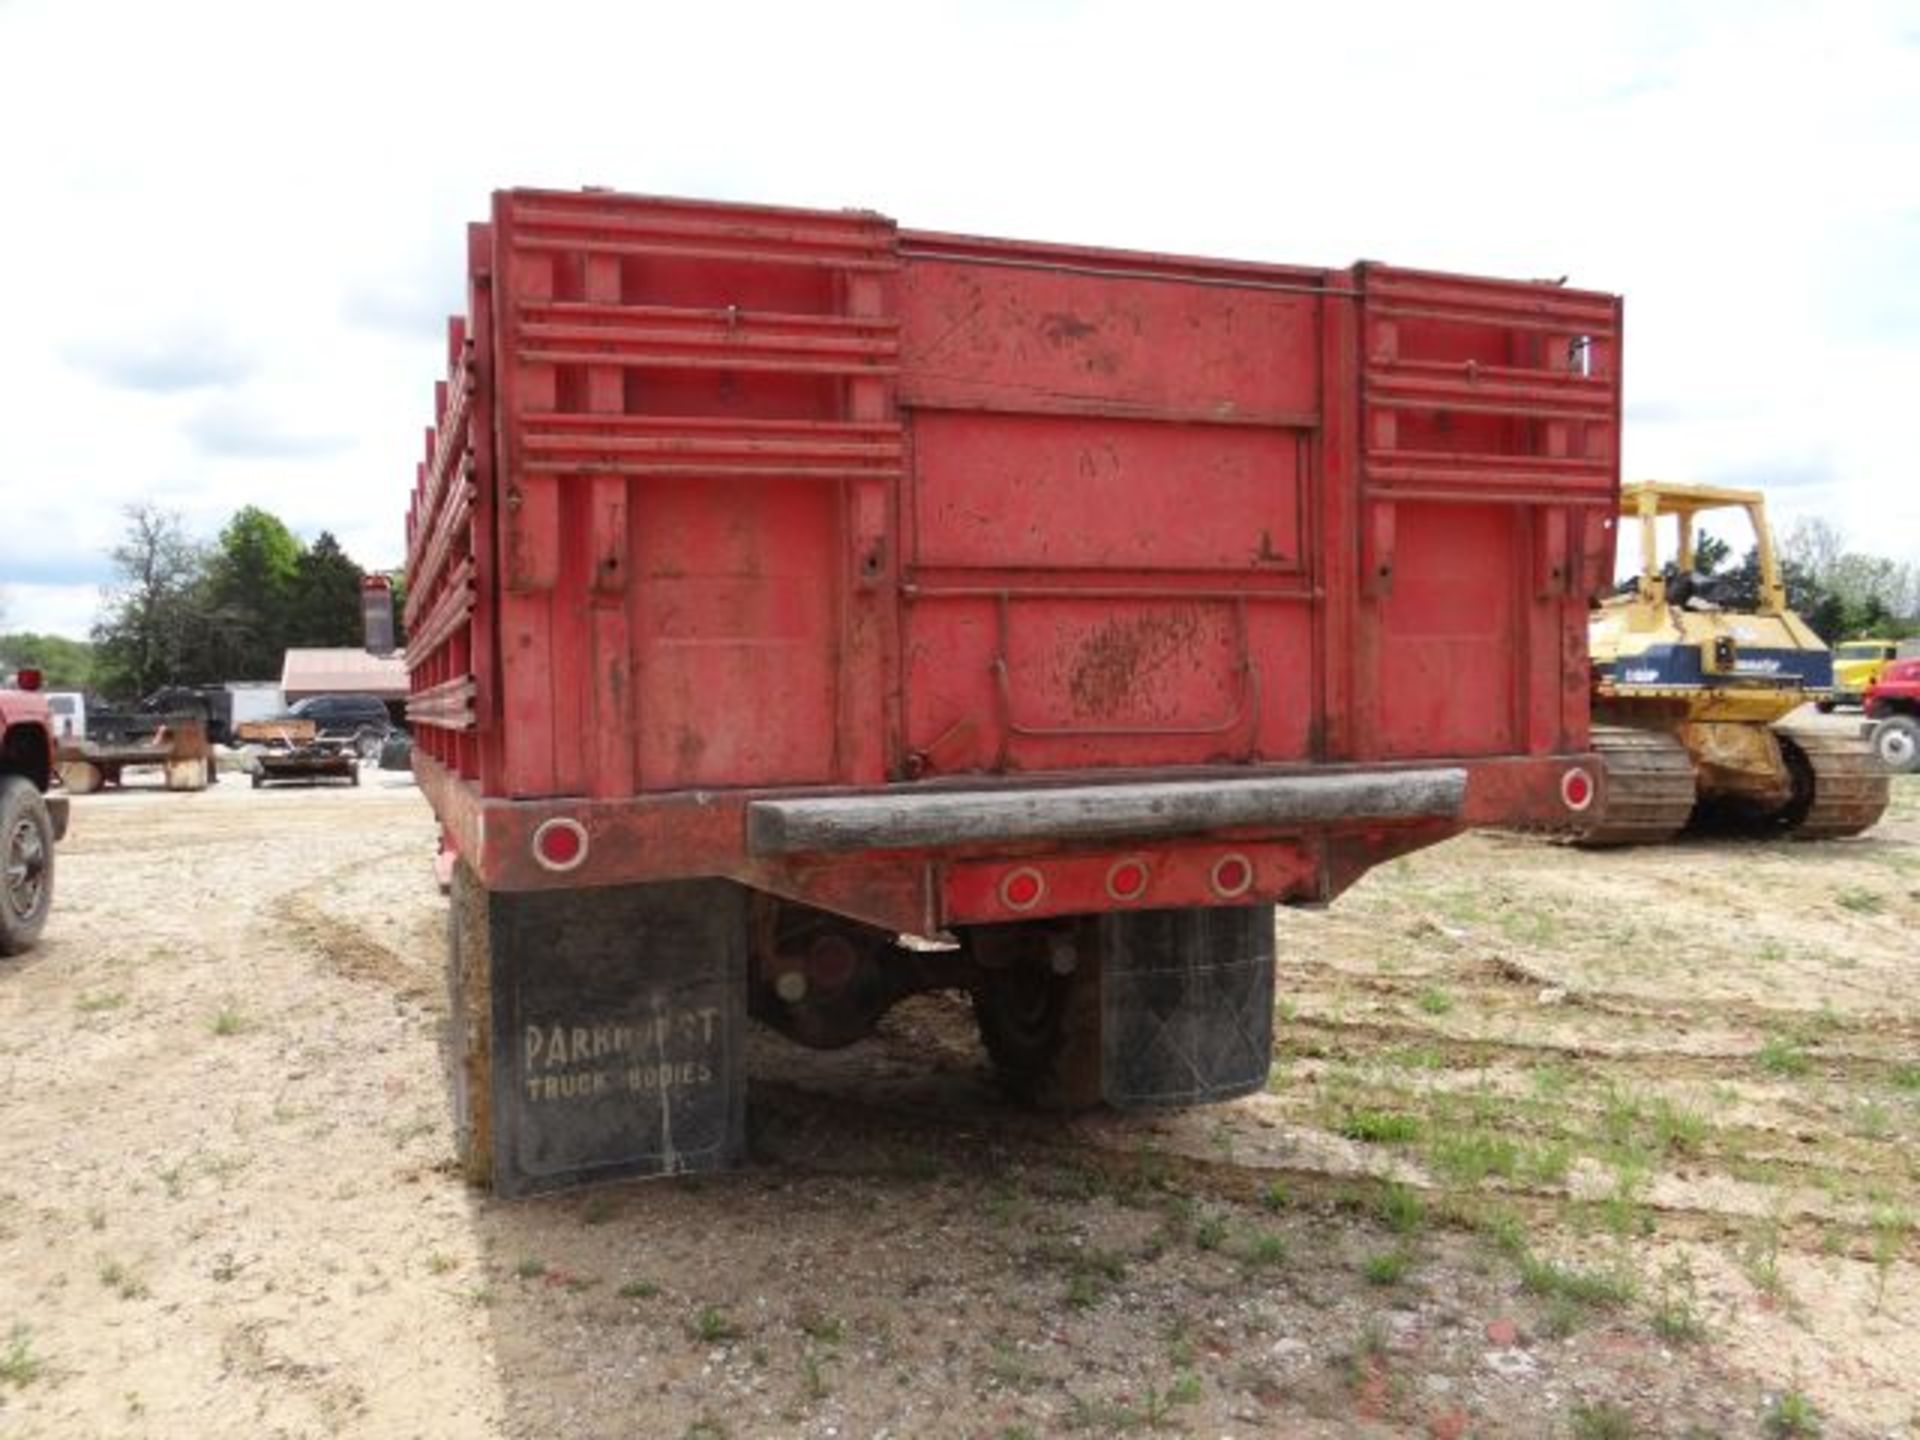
(1688, 696)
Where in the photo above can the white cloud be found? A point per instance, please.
(50, 609)
(235, 226)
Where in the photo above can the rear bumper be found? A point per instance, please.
(1083, 814)
(908, 855)
(59, 810)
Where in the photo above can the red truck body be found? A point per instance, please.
(726, 500)
(784, 582)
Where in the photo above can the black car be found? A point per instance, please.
(360, 718)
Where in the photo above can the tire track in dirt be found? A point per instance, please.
(1724, 1146)
(1503, 975)
(1142, 1167)
(1313, 1037)
(347, 948)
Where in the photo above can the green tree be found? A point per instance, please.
(154, 614)
(252, 578)
(1710, 553)
(325, 606)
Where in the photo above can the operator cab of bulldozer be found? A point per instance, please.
(1673, 625)
(1680, 579)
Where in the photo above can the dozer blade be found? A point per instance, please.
(1649, 790)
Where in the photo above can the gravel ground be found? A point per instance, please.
(1557, 1144)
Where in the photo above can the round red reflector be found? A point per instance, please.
(1127, 880)
(1576, 789)
(1022, 889)
(560, 844)
(1232, 875)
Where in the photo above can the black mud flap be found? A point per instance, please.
(616, 1042)
(1186, 1005)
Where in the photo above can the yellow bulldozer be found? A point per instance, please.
(1689, 693)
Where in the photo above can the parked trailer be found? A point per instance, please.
(176, 744)
(786, 584)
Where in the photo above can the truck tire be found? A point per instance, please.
(1896, 740)
(26, 864)
(1041, 1028)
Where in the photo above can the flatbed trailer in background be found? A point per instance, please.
(311, 761)
(784, 583)
(174, 744)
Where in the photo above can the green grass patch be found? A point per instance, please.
(1601, 1422)
(1380, 1127)
(1678, 1130)
(713, 1326)
(1597, 1289)
(1469, 1157)
(1266, 1251)
(1791, 1417)
(228, 1021)
(1401, 1209)
(1860, 901)
(1389, 1267)
(1782, 1056)
(19, 1366)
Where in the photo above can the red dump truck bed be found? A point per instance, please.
(934, 582)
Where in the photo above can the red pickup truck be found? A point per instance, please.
(31, 820)
(1893, 705)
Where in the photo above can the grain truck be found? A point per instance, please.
(805, 612)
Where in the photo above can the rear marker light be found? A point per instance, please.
(1576, 789)
(1127, 880)
(560, 845)
(1232, 876)
(1022, 889)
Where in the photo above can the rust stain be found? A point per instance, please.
(1116, 659)
(1063, 328)
(690, 746)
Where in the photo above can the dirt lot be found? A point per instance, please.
(1556, 1144)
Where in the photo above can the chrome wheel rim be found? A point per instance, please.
(1897, 749)
(26, 874)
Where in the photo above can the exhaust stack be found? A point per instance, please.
(376, 613)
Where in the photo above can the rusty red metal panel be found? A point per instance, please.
(728, 499)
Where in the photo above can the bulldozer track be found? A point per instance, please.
(1649, 791)
(1851, 788)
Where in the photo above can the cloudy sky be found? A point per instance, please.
(231, 232)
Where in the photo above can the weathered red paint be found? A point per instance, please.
(730, 500)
